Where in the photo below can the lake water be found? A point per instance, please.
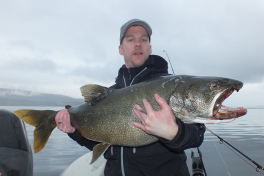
(245, 133)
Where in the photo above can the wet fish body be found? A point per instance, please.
(107, 114)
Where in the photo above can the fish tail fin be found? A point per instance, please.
(43, 120)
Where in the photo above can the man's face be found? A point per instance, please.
(135, 47)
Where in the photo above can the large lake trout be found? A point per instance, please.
(106, 115)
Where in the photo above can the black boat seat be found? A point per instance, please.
(15, 152)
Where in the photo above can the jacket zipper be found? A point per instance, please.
(122, 149)
(137, 75)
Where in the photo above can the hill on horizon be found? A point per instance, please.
(18, 97)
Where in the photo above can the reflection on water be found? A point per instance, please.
(245, 133)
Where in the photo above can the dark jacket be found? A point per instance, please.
(160, 158)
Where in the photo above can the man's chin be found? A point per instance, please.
(139, 61)
(138, 64)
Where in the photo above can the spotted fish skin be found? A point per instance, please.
(107, 114)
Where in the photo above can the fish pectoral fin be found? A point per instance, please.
(93, 92)
(98, 150)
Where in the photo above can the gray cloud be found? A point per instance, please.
(58, 46)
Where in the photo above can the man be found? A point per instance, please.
(165, 157)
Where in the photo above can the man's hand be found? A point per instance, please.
(63, 121)
(159, 123)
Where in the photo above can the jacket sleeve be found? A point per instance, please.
(76, 136)
(188, 136)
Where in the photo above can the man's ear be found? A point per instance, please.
(150, 49)
(120, 48)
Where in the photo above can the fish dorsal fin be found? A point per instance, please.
(93, 92)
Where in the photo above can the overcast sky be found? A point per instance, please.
(57, 46)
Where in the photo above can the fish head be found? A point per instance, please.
(199, 100)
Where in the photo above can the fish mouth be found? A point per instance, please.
(221, 112)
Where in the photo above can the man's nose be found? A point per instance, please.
(138, 43)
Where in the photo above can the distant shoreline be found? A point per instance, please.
(254, 108)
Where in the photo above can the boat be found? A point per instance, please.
(16, 158)
(82, 167)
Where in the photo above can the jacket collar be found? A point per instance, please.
(153, 65)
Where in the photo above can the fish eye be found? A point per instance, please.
(214, 85)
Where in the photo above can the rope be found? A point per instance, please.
(222, 159)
